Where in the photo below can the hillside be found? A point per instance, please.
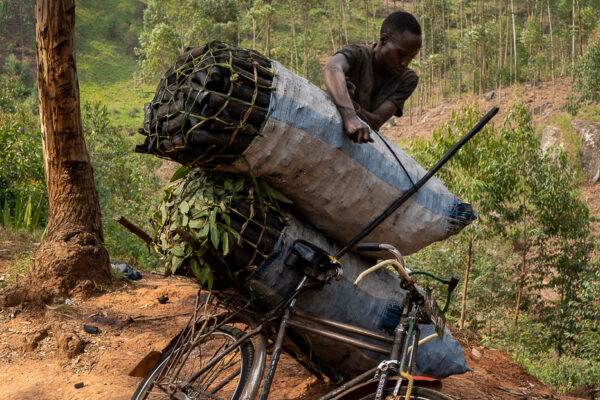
(106, 34)
(544, 100)
(132, 323)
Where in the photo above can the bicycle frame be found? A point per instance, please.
(398, 346)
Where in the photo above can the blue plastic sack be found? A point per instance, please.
(375, 305)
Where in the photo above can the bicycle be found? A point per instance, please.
(215, 357)
(236, 357)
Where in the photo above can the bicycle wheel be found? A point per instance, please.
(417, 394)
(224, 380)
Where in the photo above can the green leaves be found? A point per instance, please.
(529, 208)
(182, 172)
(198, 203)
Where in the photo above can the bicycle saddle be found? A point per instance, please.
(313, 261)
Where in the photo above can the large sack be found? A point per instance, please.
(338, 185)
(375, 305)
(209, 111)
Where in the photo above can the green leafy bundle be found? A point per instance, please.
(206, 216)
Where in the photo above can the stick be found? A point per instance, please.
(133, 229)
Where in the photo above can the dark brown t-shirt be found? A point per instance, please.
(397, 89)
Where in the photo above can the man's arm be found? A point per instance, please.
(334, 76)
(380, 115)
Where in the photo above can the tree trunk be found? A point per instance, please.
(295, 45)
(268, 44)
(305, 44)
(460, 54)
(551, 39)
(463, 306)
(512, 10)
(253, 33)
(573, 42)
(580, 29)
(521, 286)
(366, 22)
(72, 258)
(523, 264)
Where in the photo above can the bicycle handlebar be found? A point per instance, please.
(404, 272)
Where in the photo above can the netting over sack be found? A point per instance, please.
(209, 106)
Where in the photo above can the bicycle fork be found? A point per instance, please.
(402, 336)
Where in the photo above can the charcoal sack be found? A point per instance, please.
(375, 305)
(340, 186)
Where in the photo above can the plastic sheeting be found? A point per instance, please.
(375, 305)
(340, 186)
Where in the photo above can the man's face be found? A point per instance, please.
(395, 52)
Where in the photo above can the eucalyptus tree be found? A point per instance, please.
(72, 255)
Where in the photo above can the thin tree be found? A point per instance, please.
(463, 305)
(512, 10)
(72, 256)
(551, 39)
(294, 42)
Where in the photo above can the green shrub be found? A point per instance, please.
(23, 198)
(528, 204)
(125, 183)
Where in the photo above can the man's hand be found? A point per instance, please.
(337, 86)
(356, 130)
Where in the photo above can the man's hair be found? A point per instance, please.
(400, 21)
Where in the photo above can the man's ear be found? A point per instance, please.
(383, 38)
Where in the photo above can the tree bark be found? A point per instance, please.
(512, 11)
(551, 38)
(71, 259)
(463, 306)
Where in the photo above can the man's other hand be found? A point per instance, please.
(357, 130)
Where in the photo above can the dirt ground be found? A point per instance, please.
(543, 99)
(43, 354)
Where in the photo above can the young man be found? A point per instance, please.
(372, 82)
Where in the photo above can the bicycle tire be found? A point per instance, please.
(418, 393)
(165, 374)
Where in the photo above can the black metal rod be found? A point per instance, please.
(264, 394)
(340, 389)
(345, 327)
(406, 195)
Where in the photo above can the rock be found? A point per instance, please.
(550, 137)
(163, 299)
(126, 270)
(589, 132)
(476, 353)
(91, 329)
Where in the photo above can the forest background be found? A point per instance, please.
(534, 276)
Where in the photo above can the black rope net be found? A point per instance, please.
(209, 106)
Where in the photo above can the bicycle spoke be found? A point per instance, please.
(219, 362)
(226, 381)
